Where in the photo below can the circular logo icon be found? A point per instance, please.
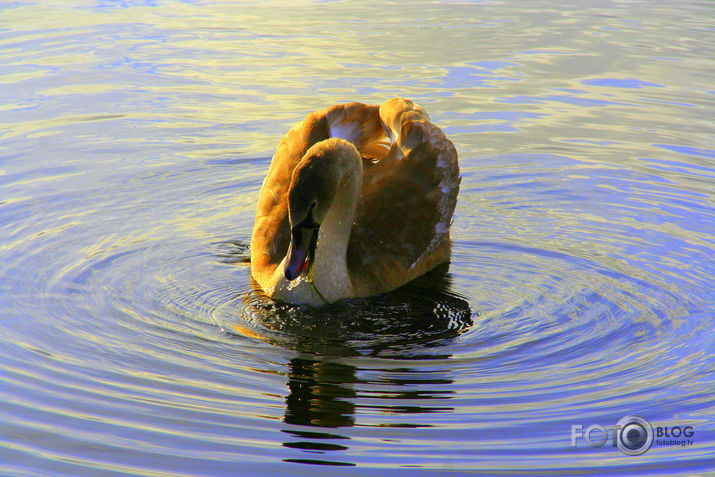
(635, 435)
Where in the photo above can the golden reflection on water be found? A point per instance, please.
(236, 54)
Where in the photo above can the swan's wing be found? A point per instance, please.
(402, 223)
(355, 122)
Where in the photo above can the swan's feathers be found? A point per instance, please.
(405, 210)
(410, 186)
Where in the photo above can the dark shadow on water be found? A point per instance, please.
(320, 393)
(409, 325)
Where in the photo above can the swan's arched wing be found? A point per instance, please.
(360, 124)
(402, 224)
(355, 122)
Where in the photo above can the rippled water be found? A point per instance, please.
(134, 139)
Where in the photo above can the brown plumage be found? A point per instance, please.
(380, 201)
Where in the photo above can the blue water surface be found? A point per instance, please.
(134, 138)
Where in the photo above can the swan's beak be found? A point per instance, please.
(302, 251)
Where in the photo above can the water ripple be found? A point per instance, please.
(580, 287)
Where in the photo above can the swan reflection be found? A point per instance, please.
(352, 363)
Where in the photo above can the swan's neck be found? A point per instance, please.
(330, 278)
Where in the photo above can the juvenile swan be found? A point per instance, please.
(358, 201)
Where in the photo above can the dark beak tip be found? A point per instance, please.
(303, 241)
(289, 274)
(294, 266)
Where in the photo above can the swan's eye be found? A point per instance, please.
(313, 204)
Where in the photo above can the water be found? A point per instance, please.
(134, 139)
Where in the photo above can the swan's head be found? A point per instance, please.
(314, 185)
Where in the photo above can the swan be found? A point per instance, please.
(357, 201)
